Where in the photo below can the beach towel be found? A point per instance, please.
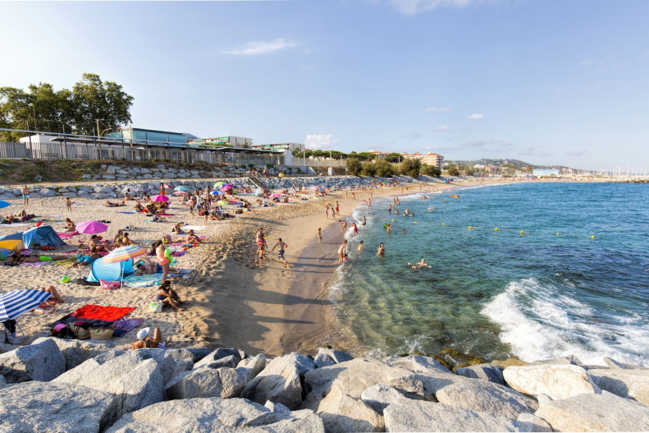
(67, 235)
(195, 228)
(66, 262)
(140, 281)
(98, 312)
(131, 212)
(37, 264)
(122, 326)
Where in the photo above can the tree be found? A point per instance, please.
(430, 170)
(411, 167)
(354, 166)
(452, 170)
(95, 100)
(469, 171)
(369, 169)
(393, 157)
(384, 168)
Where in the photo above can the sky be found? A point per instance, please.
(549, 82)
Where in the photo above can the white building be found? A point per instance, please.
(429, 158)
(287, 148)
(228, 140)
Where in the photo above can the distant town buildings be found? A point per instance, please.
(227, 141)
(378, 154)
(546, 171)
(287, 148)
(141, 134)
(430, 158)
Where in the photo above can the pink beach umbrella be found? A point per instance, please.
(275, 195)
(159, 198)
(91, 227)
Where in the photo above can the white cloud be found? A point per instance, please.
(411, 136)
(414, 7)
(256, 48)
(475, 117)
(320, 141)
(441, 128)
(438, 110)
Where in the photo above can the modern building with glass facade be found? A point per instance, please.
(140, 134)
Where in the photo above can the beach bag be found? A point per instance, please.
(155, 307)
(109, 285)
(101, 333)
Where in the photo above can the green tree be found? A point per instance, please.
(393, 157)
(384, 168)
(453, 170)
(469, 171)
(430, 170)
(95, 100)
(369, 169)
(354, 166)
(411, 167)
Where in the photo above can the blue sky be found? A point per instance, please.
(546, 81)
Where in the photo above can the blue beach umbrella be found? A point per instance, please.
(17, 302)
(216, 193)
(4, 204)
(181, 188)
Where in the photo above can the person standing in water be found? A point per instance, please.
(342, 250)
(390, 210)
(364, 221)
(360, 247)
(381, 250)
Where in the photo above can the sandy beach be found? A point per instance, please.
(232, 302)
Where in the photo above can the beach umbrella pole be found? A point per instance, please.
(21, 329)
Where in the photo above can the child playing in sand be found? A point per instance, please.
(280, 253)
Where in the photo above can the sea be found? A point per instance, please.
(532, 270)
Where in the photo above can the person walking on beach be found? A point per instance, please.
(327, 212)
(68, 204)
(261, 241)
(337, 208)
(342, 250)
(319, 235)
(355, 229)
(280, 253)
(25, 196)
(260, 255)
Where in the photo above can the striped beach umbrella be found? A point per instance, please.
(17, 302)
(124, 253)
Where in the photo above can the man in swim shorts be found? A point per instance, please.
(280, 254)
(25, 196)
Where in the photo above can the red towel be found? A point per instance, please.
(97, 312)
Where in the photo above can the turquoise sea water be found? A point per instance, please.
(500, 293)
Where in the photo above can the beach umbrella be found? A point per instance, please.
(216, 193)
(91, 227)
(181, 188)
(167, 186)
(218, 184)
(4, 204)
(17, 302)
(275, 195)
(178, 193)
(159, 198)
(226, 187)
(123, 254)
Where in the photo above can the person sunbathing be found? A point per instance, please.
(192, 238)
(111, 204)
(146, 342)
(127, 197)
(71, 226)
(146, 266)
(36, 259)
(84, 259)
(138, 207)
(126, 241)
(177, 229)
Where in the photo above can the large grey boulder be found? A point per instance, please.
(378, 397)
(417, 416)
(595, 412)
(557, 381)
(482, 396)
(253, 366)
(433, 375)
(343, 413)
(217, 415)
(488, 372)
(625, 383)
(198, 353)
(135, 378)
(75, 352)
(212, 360)
(206, 383)
(617, 365)
(55, 407)
(279, 382)
(42, 362)
(326, 357)
(562, 360)
(355, 377)
(528, 422)
(108, 355)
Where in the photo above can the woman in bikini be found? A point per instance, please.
(342, 250)
(192, 238)
(71, 226)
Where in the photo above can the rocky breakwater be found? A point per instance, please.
(105, 191)
(73, 386)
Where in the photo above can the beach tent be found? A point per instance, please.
(43, 235)
(18, 236)
(109, 271)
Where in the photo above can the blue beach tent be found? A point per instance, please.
(12, 237)
(43, 235)
(109, 271)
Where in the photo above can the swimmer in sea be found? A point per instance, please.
(420, 265)
(404, 231)
(388, 229)
(364, 221)
(381, 250)
(360, 246)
